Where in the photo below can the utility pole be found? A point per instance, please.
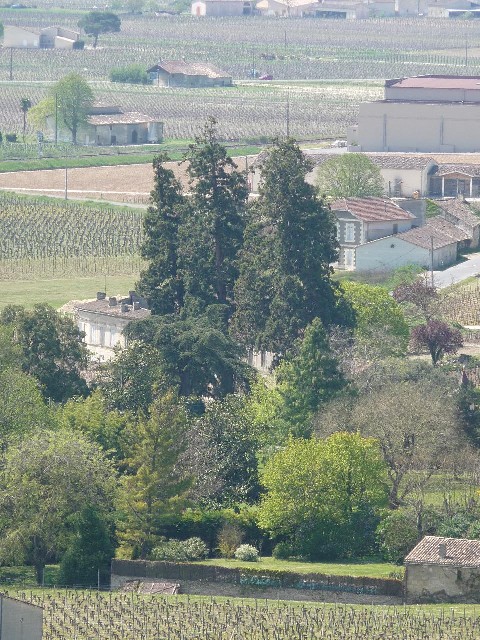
(56, 119)
(466, 51)
(431, 259)
(11, 63)
(287, 115)
(66, 175)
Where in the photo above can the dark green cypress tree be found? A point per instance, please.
(212, 232)
(284, 271)
(161, 283)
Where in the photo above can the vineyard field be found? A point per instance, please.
(54, 238)
(84, 615)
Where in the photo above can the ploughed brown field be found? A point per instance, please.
(122, 183)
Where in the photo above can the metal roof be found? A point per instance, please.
(436, 82)
(459, 552)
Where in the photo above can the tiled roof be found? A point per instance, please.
(103, 307)
(422, 237)
(121, 118)
(448, 228)
(460, 552)
(460, 210)
(372, 209)
(400, 160)
(436, 82)
(471, 170)
(191, 68)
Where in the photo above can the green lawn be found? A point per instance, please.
(59, 291)
(357, 569)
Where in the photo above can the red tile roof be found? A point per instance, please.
(436, 82)
(372, 209)
(190, 68)
(460, 552)
(423, 237)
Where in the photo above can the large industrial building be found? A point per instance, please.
(422, 114)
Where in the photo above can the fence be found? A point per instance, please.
(143, 569)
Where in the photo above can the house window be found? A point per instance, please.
(349, 232)
(349, 258)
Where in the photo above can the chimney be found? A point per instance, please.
(136, 305)
(112, 302)
(442, 550)
(124, 307)
(101, 295)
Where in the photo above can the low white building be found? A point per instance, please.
(220, 8)
(424, 246)
(47, 38)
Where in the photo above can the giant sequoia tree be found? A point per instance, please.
(290, 241)
(161, 283)
(212, 230)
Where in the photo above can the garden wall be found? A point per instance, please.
(253, 582)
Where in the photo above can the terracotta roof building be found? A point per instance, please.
(178, 73)
(443, 570)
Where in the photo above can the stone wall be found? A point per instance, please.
(432, 583)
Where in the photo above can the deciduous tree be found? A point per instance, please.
(70, 101)
(322, 494)
(349, 175)
(52, 350)
(438, 337)
(47, 478)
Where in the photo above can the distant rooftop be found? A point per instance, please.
(190, 68)
(435, 82)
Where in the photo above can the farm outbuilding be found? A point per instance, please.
(422, 114)
(220, 8)
(287, 8)
(443, 570)
(109, 125)
(423, 246)
(46, 38)
(178, 73)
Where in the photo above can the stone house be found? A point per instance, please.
(104, 319)
(46, 38)
(362, 220)
(178, 73)
(459, 213)
(431, 113)
(443, 570)
(109, 125)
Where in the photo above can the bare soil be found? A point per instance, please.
(122, 183)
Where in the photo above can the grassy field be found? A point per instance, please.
(357, 569)
(59, 291)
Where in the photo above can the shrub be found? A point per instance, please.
(282, 551)
(180, 550)
(79, 45)
(230, 538)
(11, 137)
(246, 553)
(397, 534)
(133, 74)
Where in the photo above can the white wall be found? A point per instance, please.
(20, 620)
(386, 126)
(392, 252)
(18, 37)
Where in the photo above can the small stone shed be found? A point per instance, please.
(443, 570)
